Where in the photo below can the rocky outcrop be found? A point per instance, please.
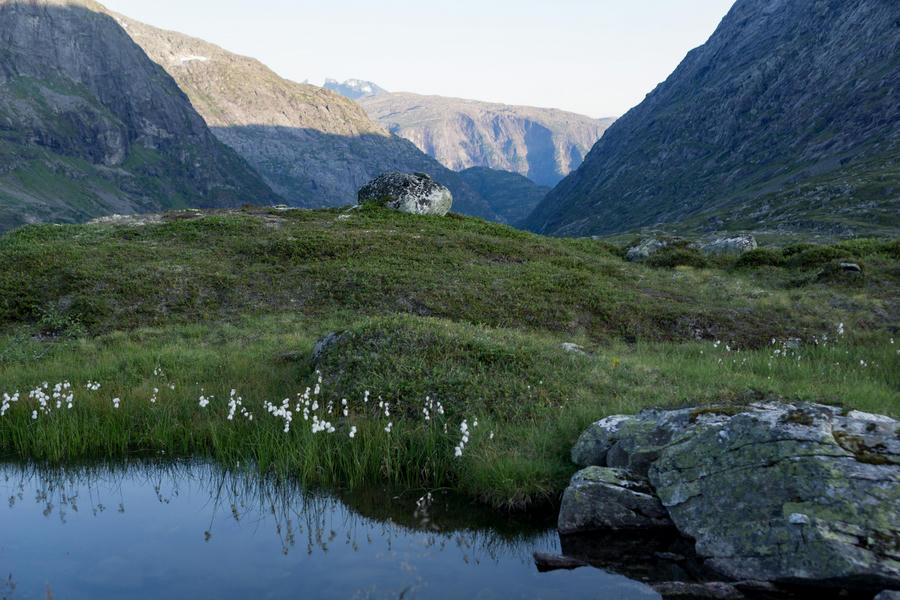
(787, 118)
(542, 144)
(90, 126)
(647, 247)
(416, 194)
(314, 147)
(732, 246)
(787, 493)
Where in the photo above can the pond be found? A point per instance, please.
(191, 530)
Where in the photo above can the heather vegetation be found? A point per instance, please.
(192, 334)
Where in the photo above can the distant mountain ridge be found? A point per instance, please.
(544, 144)
(312, 146)
(354, 88)
(89, 125)
(788, 117)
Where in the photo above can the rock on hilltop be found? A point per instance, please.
(789, 115)
(312, 146)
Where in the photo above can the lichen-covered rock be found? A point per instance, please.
(647, 247)
(602, 499)
(416, 194)
(323, 344)
(788, 493)
(635, 441)
(736, 245)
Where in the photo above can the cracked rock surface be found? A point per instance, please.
(790, 493)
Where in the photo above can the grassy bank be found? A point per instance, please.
(456, 316)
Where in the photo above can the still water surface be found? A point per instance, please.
(190, 530)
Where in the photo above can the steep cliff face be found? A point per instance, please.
(89, 125)
(544, 144)
(313, 147)
(784, 94)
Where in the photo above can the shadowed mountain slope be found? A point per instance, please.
(510, 195)
(789, 116)
(544, 144)
(89, 125)
(313, 146)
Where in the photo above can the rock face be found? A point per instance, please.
(510, 195)
(542, 144)
(416, 194)
(760, 123)
(788, 493)
(314, 147)
(90, 126)
(601, 498)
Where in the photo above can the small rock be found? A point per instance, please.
(850, 267)
(553, 562)
(416, 194)
(715, 590)
(888, 595)
(570, 347)
(324, 344)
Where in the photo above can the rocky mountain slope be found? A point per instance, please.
(354, 88)
(312, 146)
(89, 125)
(788, 117)
(543, 144)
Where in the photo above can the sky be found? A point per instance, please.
(594, 57)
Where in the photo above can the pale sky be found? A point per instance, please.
(595, 57)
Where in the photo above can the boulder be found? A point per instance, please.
(734, 246)
(779, 492)
(647, 247)
(609, 499)
(323, 344)
(416, 194)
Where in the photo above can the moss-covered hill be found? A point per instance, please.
(167, 311)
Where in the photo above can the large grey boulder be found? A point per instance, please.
(735, 245)
(647, 247)
(789, 493)
(602, 499)
(416, 194)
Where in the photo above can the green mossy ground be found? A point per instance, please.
(455, 309)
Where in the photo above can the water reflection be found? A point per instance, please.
(192, 530)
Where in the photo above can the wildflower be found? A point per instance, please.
(389, 426)
(840, 329)
(116, 402)
(457, 451)
(490, 437)
(34, 414)
(353, 431)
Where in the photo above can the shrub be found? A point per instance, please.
(760, 257)
(674, 256)
(817, 255)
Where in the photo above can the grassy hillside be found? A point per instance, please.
(443, 321)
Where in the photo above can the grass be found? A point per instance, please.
(456, 310)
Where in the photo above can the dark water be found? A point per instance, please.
(189, 530)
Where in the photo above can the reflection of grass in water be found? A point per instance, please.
(312, 521)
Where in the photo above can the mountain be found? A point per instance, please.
(544, 144)
(312, 146)
(788, 117)
(512, 196)
(89, 125)
(354, 88)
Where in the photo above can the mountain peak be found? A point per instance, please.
(354, 88)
